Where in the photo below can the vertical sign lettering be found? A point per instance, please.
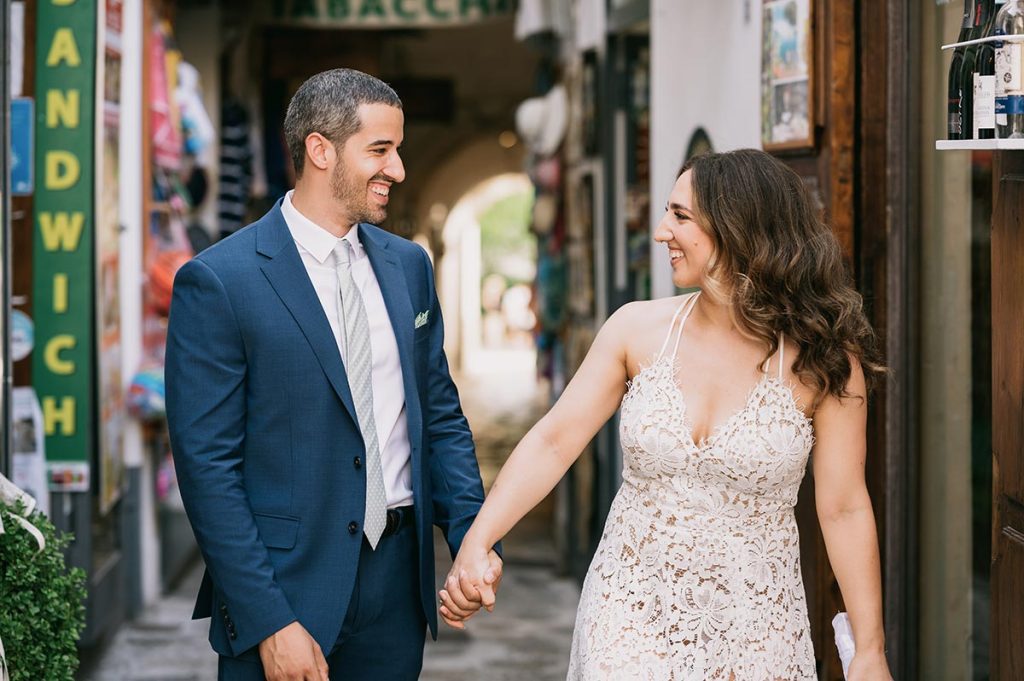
(63, 271)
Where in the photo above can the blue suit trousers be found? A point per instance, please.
(384, 629)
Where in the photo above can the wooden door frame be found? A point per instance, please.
(1007, 653)
(894, 223)
(863, 164)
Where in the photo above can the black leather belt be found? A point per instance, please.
(397, 519)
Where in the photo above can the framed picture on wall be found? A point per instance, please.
(787, 76)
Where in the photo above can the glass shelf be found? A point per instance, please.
(980, 145)
(1016, 38)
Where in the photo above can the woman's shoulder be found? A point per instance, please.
(645, 314)
(640, 327)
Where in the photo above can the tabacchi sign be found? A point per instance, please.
(388, 13)
(63, 279)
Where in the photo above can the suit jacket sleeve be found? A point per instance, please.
(455, 474)
(206, 403)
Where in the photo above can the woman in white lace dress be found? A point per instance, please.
(723, 394)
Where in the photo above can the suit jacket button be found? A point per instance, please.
(353, 527)
(232, 635)
(357, 462)
(224, 609)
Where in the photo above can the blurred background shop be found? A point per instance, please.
(542, 138)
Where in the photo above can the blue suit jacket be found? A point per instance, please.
(264, 434)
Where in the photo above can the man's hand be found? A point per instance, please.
(292, 654)
(472, 582)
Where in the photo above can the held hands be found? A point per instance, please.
(472, 583)
(292, 654)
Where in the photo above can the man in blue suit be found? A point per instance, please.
(316, 431)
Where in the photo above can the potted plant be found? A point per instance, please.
(41, 610)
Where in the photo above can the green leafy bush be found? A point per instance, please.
(41, 610)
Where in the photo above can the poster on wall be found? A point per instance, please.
(29, 463)
(63, 276)
(108, 321)
(21, 146)
(17, 51)
(787, 117)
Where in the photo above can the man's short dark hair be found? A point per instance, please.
(328, 103)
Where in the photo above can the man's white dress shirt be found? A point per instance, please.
(315, 245)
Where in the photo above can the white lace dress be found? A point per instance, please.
(697, 576)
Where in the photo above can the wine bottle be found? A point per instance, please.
(1009, 72)
(968, 68)
(985, 81)
(954, 128)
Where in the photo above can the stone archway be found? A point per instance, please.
(445, 208)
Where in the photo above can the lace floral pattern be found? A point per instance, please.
(697, 575)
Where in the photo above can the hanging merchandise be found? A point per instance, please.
(169, 246)
(547, 173)
(160, 277)
(545, 213)
(235, 168)
(146, 394)
(542, 121)
(196, 125)
(164, 120)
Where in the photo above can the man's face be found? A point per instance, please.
(368, 164)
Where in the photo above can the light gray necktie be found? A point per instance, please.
(359, 366)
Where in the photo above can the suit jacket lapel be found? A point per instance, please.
(290, 280)
(395, 289)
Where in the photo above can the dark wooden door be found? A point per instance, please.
(1008, 418)
(861, 168)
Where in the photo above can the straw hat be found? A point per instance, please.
(542, 121)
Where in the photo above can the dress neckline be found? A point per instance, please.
(716, 433)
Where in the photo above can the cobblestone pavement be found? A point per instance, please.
(526, 638)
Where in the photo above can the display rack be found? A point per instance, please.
(988, 144)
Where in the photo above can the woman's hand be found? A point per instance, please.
(472, 582)
(869, 666)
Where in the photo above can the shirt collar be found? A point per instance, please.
(314, 238)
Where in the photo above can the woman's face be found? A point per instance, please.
(689, 247)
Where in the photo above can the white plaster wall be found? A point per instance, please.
(705, 72)
(130, 284)
(945, 371)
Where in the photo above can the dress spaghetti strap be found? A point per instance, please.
(685, 305)
(780, 354)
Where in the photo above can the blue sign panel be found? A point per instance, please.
(21, 146)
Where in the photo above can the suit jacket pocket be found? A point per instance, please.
(277, 531)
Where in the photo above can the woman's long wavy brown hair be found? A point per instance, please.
(780, 267)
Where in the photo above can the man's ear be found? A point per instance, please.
(319, 150)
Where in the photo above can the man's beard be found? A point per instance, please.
(354, 198)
